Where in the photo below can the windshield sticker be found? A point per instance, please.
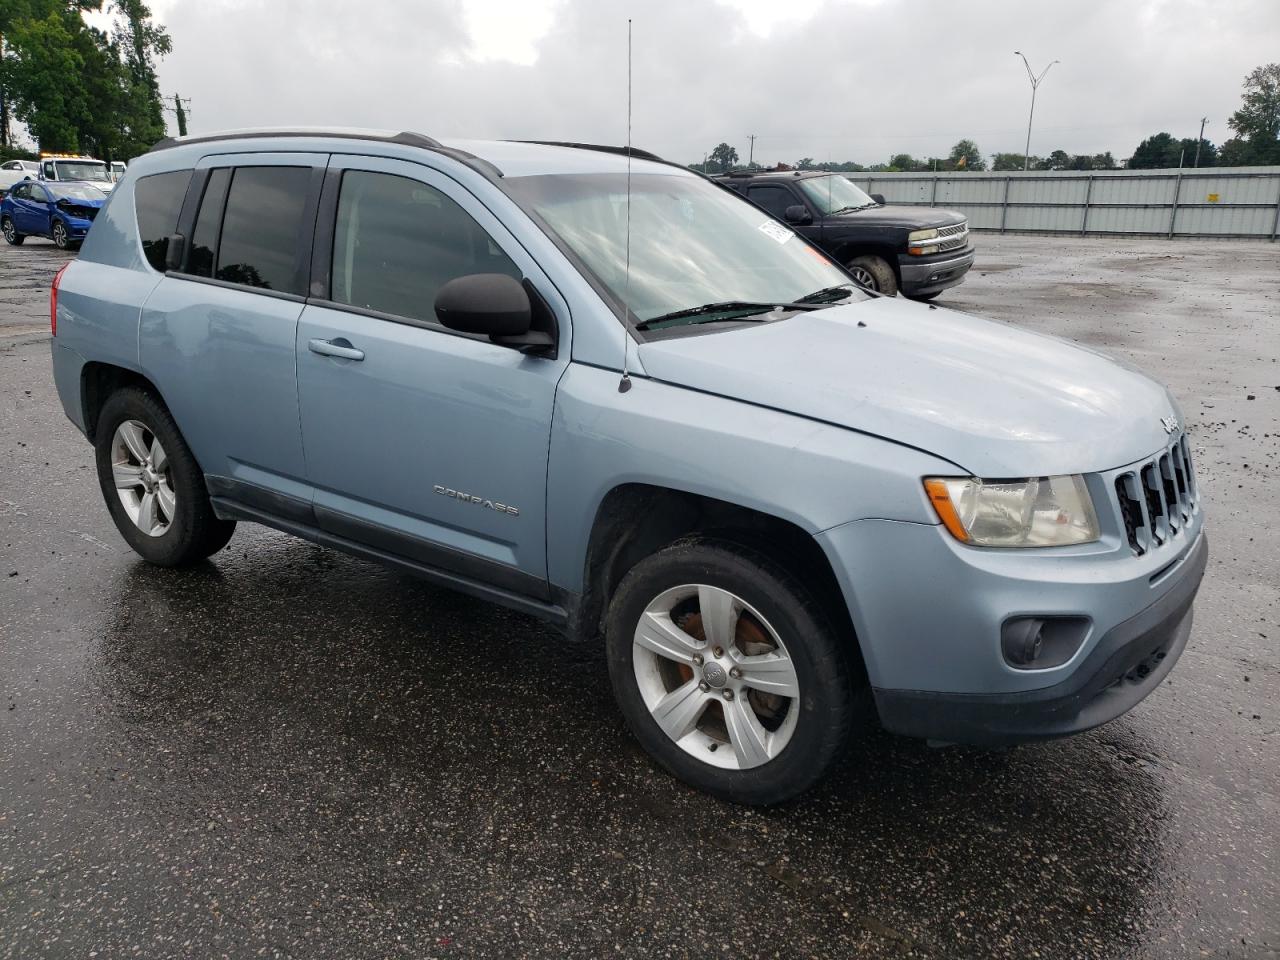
(776, 230)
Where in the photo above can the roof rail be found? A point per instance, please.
(602, 148)
(405, 137)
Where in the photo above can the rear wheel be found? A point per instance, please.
(11, 234)
(61, 238)
(728, 672)
(874, 273)
(152, 484)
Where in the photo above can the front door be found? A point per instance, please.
(420, 441)
(777, 198)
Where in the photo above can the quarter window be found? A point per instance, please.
(158, 201)
(398, 241)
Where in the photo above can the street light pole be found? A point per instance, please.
(1035, 82)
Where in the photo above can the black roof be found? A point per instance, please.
(772, 174)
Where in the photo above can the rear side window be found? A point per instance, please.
(157, 201)
(262, 227)
(774, 199)
(398, 241)
(204, 239)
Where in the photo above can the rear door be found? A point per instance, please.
(421, 441)
(217, 335)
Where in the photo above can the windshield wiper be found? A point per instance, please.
(739, 310)
(853, 209)
(828, 295)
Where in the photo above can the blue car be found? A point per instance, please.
(63, 212)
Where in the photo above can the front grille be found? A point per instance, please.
(1158, 498)
(953, 237)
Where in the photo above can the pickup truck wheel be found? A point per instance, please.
(728, 672)
(874, 273)
(11, 234)
(153, 486)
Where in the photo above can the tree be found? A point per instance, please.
(1104, 161)
(805, 163)
(1208, 152)
(724, 156)
(1157, 151)
(1012, 161)
(1257, 122)
(140, 41)
(965, 155)
(904, 162)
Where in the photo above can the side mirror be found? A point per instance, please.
(878, 198)
(492, 304)
(798, 213)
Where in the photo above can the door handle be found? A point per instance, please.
(340, 347)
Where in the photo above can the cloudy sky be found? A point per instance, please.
(830, 79)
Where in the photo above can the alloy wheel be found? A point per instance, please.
(143, 479)
(60, 234)
(716, 677)
(864, 277)
(10, 233)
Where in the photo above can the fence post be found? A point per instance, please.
(1088, 192)
(1275, 224)
(933, 197)
(1004, 204)
(1177, 191)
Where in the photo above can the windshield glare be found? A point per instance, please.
(77, 191)
(96, 172)
(830, 194)
(692, 243)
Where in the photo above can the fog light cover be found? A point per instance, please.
(1038, 643)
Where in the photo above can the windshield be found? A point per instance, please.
(76, 191)
(692, 243)
(83, 170)
(833, 194)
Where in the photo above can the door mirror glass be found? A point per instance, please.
(878, 198)
(493, 304)
(798, 213)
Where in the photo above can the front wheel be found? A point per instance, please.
(11, 234)
(728, 672)
(874, 273)
(61, 239)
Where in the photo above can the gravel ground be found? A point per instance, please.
(289, 753)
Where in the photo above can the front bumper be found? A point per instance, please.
(77, 229)
(925, 275)
(1126, 664)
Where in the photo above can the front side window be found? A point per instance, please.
(774, 199)
(398, 241)
(692, 243)
(250, 226)
(20, 191)
(835, 195)
(157, 202)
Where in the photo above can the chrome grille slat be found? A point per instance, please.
(1157, 498)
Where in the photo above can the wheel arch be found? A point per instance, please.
(861, 248)
(634, 520)
(98, 381)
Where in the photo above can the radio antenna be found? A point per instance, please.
(625, 383)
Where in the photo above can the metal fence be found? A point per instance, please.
(1214, 202)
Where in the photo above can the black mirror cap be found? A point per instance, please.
(798, 213)
(493, 304)
(878, 198)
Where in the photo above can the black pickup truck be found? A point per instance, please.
(919, 251)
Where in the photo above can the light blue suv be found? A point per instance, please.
(606, 392)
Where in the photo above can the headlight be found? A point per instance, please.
(916, 245)
(1039, 512)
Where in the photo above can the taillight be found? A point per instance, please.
(53, 299)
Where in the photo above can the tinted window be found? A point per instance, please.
(204, 238)
(774, 199)
(158, 201)
(262, 227)
(398, 241)
(38, 194)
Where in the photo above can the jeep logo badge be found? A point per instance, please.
(714, 674)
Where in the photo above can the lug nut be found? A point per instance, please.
(735, 672)
(728, 694)
(697, 659)
(704, 686)
(718, 651)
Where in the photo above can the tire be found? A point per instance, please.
(923, 297)
(61, 239)
(11, 235)
(184, 529)
(874, 273)
(803, 733)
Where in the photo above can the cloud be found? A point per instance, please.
(833, 80)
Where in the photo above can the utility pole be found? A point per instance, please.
(182, 115)
(1200, 140)
(751, 151)
(1035, 82)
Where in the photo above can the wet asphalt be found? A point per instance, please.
(289, 753)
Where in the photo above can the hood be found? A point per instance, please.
(997, 401)
(912, 218)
